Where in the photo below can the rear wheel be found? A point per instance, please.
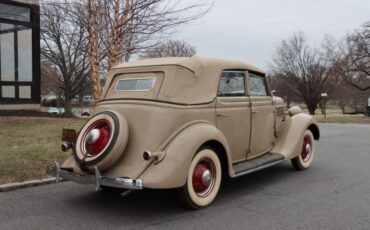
(204, 180)
(305, 158)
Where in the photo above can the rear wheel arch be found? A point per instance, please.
(221, 153)
(180, 152)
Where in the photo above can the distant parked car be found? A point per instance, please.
(88, 99)
(55, 110)
(85, 112)
(184, 123)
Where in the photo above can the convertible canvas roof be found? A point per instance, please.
(186, 80)
(195, 64)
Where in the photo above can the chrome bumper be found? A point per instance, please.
(97, 179)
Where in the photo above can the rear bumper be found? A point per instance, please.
(96, 179)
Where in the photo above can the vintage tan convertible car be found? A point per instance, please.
(185, 123)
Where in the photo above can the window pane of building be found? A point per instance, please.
(8, 91)
(24, 53)
(7, 52)
(25, 92)
(14, 12)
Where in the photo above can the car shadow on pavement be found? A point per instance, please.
(142, 203)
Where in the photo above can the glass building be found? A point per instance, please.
(19, 52)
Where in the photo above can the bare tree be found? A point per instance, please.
(117, 29)
(93, 24)
(171, 48)
(302, 69)
(356, 58)
(50, 81)
(278, 83)
(64, 45)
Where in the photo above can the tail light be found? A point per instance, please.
(66, 146)
(155, 155)
(147, 155)
(96, 137)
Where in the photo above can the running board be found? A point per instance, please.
(256, 164)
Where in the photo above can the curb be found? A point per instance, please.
(26, 184)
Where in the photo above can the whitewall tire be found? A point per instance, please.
(307, 154)
(204, 180)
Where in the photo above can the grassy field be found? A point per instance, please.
(340, 118)
(334, 115)
(27, 145)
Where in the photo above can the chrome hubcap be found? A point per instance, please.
(207, 178)
(204, 177)
(93, 136)
(308, 149)
(308, 152)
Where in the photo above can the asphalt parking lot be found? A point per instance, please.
(333, 194)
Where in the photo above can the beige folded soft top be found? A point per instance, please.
(181, 80)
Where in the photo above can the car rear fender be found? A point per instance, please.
(290, 139)
(172, 171)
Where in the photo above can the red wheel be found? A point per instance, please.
(204, 177)
(96, 138)
(306, 152)
(204, 180)
(305, 158)
(97, 145)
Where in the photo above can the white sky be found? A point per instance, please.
(250, 30)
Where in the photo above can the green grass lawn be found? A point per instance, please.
(27, 145)
(340, 118)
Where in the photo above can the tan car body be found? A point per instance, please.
(182, 113)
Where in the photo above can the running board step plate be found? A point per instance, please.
(262, 162)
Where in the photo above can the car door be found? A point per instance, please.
(233, 113)
(262, 123)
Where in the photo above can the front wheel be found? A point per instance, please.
(204, 180)
(305, 158)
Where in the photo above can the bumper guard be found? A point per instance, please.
(97, 179)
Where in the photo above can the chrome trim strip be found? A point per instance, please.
(57, 172)
(258, 168)
(96, 179)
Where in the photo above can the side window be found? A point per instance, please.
(232, 83)
(258, 86)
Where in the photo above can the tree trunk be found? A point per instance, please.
(288, 102)
(342, 107)
(68, 107)
(311, 106)
(322, 108)
(93, 48)
(95, 77)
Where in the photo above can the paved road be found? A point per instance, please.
(333, 194)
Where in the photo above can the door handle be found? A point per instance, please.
(220, 114)
(254, 113)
